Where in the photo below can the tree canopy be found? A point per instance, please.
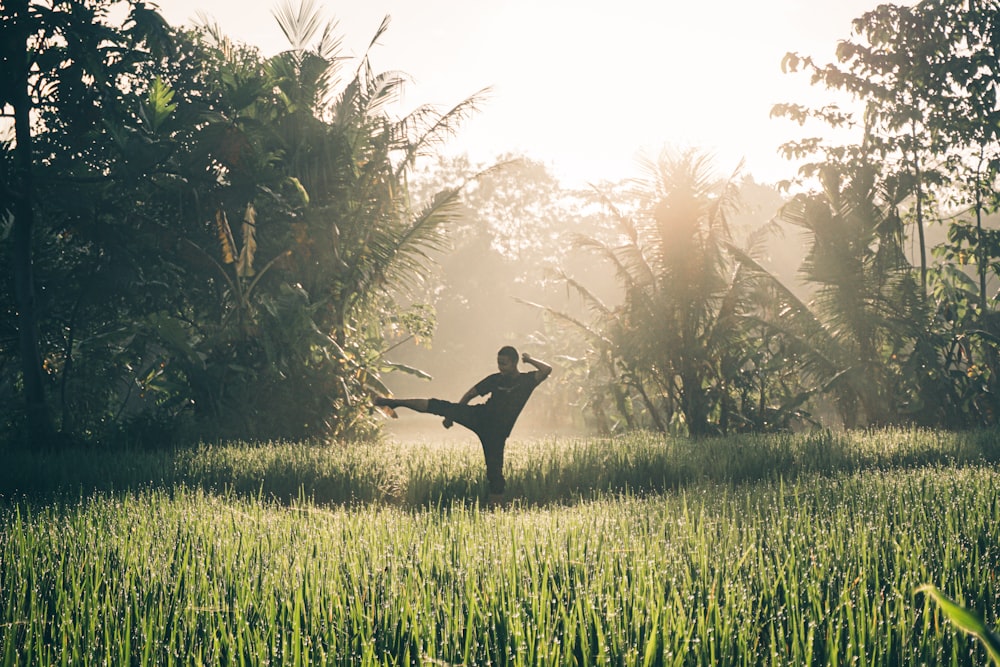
(208, 243)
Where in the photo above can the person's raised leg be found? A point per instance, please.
(416, 404)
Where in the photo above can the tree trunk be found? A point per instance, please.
(658, 421)
(694, 404)
(980, 240)
(920, 229)
(40, 427)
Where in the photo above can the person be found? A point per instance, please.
(493, 420)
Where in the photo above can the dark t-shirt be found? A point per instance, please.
(508, 394)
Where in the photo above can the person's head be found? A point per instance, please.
(507, 359)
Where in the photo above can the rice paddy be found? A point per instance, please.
(791, 550)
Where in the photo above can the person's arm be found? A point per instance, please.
(466, 397)
(542, 369)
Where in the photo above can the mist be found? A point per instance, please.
(511, 250)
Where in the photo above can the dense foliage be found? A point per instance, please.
(709, 340)
(204, 242)
(213, 240)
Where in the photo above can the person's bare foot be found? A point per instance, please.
(385, 406)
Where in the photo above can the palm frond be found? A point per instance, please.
(593, 302)
(400, 254)
(300, 24)
(623, 271)
(386, 20)
(815, 344)
(726, 205)
(382, 90)
(632, 257)
(424, 231)
(330, 45)
(354, 98)
(217, 39)
(632, 265)
(434, 128)
(595, 336)
(623, 221)
(758, 237)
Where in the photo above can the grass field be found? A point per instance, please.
(638, 550)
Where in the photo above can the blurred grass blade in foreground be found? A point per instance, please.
(966, 620)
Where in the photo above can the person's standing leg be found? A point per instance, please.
(493, 452)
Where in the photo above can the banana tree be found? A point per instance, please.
(680, 341)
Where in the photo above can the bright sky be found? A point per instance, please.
(587, 86)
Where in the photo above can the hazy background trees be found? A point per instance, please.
(207, 243)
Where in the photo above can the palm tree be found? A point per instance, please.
(324, 164)
(856, 261)
(686, 222)
(679, 335)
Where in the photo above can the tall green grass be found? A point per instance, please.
(426, 474)
(820, 571)
(639, 550)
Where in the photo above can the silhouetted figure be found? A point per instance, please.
(493, 420)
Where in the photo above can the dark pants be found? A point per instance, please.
(492, 434)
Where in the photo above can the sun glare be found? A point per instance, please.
(585, 86)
